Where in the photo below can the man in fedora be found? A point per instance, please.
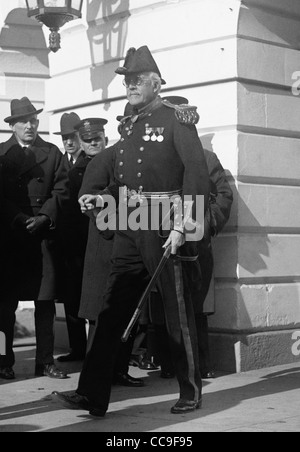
(72, 233)
(35, 186)
(70, 139)
(159, 155)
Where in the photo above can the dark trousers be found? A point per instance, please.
(72, 296)
(44, 325)
(135, 256)
(158, 342)
(123, 352)
(203, 339)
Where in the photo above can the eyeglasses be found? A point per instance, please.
(138, 80)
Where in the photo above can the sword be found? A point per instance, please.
(146, 294)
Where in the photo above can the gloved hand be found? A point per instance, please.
(36, 225)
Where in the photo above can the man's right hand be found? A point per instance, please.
(90, 202)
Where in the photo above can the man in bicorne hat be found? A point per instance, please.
(34, 186)
(160, 156)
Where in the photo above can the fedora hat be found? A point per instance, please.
(137, 61)
(68, 124)
(20, 108)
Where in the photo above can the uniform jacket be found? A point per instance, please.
(158, 153)
(33, 183)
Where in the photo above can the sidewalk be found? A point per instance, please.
(267, 400)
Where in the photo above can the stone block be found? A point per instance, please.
(256, 307)
(268, 159)
(243, 353)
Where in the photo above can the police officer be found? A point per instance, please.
(159, 154)
(35, 186)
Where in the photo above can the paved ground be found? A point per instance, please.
(261, 401)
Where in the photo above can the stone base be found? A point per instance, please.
(245, 352)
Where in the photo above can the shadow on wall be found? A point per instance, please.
(26, 36)
(107, 33)
(283, 27)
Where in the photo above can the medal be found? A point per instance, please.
(148, 133)
(160, 137)
(154, 137)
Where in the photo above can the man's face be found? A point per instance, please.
(94, 145)
(72, 143)
(26, 129)
(141, 90)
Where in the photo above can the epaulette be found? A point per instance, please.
(185, 114)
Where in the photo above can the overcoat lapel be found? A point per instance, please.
(40, 153)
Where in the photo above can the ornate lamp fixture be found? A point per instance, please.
(54, 14)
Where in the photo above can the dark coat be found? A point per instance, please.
(33, 184)
(221, 198)
(73, 226)
(99, 175)
(73, 229)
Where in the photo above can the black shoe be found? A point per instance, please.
(128, 381)
(73, 401)
(77, 402)
(71, 358)
(134, 361)
(50, 371)
(167, 375)
(148, 364)
(208, 375)
(186, 406)
(7, 373)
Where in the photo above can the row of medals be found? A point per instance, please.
(152, 133)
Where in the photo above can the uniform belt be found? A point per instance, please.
(134, 194)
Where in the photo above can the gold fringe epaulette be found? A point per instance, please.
(185, 114)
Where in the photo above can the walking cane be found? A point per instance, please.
(147, 293)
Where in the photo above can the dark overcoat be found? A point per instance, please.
(34, 183)
(221, 198)
(99, 173)
(73, 229)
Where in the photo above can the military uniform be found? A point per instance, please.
(157, 152)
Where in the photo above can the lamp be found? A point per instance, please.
(54, 14)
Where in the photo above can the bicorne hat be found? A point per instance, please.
(20, 108)
(137, 61)
(68, 123)
(91, 127)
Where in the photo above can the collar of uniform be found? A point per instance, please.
(143, 112)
